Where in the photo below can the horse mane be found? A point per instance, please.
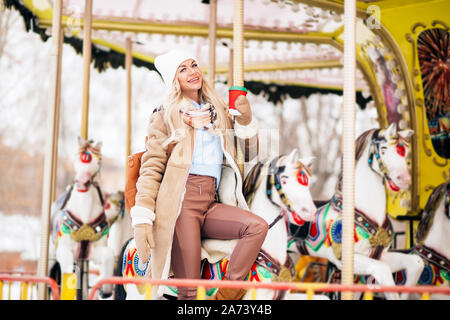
(300, 166)
(360, 145)
(429, 211)
(252, 181)
(89, 146)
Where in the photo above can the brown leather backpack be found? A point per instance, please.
(134, 165)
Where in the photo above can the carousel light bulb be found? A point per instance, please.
(337, 18)
(67, 32)
(399, 93)
(310, 11)
(391, 64)
(402, 124)
(365, 93)
(266, 2)
(281, 4)
(396, 77)
(401, 108)
(295, 7)
(384, 51)
(405, 116)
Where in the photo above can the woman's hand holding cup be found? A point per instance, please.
(243, 106)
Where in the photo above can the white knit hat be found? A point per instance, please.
(168, 63)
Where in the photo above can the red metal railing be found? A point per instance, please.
(308, 288)
(25, 280)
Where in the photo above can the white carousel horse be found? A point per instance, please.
(271, 189)
(80, 225)
(119, 221)
(381, 159)
(432, 241)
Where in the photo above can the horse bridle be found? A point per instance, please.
(374, 152)
(273, 180)
(96, 154)
(121, 205)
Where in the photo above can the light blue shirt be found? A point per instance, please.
(208, 154)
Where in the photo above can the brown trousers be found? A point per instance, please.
(201, 216)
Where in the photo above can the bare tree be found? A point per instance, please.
(5, 23)
(311, 127)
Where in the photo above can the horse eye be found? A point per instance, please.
(86, 157)
(400, 149)
(302, 178)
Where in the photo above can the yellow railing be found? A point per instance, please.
(26, 285)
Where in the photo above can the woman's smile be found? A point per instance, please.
(194, 80)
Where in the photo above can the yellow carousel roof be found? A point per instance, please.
(285, 41)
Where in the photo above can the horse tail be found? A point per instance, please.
(119, 290)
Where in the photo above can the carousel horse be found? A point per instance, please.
(273, 188)
(432, 241)
(119, 221)
(79, 223)
(381, 160)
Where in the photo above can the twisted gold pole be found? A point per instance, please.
(128, 67)
(212, 40)
(87, 52)
(348, 144)
(238, 43)
(238, 60)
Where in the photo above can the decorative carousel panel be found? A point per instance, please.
(383, 65)
(433, 47)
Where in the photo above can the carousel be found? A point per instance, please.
(391, 57)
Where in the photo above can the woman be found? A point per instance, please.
(189, 157)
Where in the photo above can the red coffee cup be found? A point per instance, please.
(233, 93)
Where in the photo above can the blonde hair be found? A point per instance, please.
(176, 103)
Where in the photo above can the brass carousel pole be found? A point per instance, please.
(128, 67)
(238, 43)
(51, 144)
(230, 68)
(348, 145)
(87, 51)
(212, 41)
(238, 62)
